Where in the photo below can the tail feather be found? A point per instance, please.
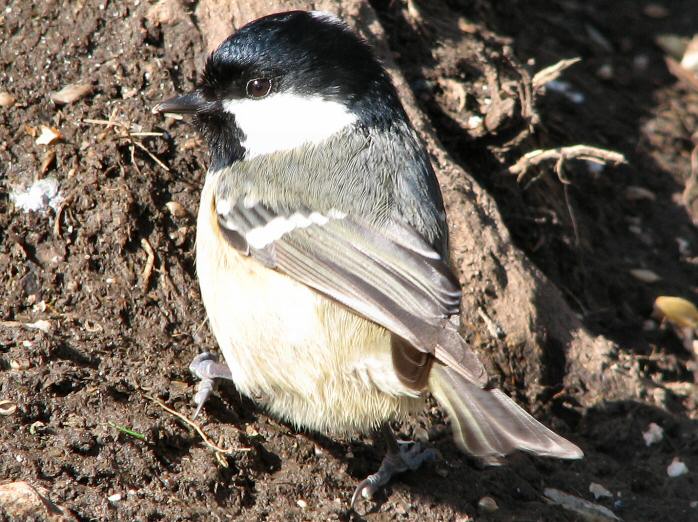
(488, 423)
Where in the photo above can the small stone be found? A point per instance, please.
(36, 427)
(176, 209)
(605, 72)
(655, 11)
(6, 100)
(676, 468)
(71, 93)
(19, 364)
(487, 505)
(654, 434)
(7, 407)
(22, 501)
(644, 275)
(599, 491)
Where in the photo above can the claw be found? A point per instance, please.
(408, 457)
(206, 367)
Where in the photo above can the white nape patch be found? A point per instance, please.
(262, 236)
(285, 121)
(326, 16)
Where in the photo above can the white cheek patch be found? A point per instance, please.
(262, 236)
(286, 121)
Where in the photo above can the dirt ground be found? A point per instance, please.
(100, 310)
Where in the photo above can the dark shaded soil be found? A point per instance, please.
(116, 336)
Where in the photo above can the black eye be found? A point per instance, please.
(258, 88)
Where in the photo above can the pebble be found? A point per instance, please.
(654, 434)
(7, 407)
(599, 491)
(487, 505)
(6, 99)
(71, 93)
(676, 468)
(644, 275)
(176, 209)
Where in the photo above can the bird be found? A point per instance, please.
(322, 250)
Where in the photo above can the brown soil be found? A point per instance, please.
(117, 336)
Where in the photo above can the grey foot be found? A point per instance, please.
(206, 367)
(409, 456)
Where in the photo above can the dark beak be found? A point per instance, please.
(189, 103)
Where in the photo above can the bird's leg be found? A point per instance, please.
(400, 456)
(206, 367)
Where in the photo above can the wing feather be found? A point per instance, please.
(391, 277)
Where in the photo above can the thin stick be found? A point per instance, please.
(152, 156)
(191, 423)
(149, 263)
(562, 154)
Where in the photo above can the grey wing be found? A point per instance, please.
(388, 275)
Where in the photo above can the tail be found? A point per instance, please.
(487, 423)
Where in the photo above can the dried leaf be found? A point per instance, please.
(679, 311)
(48, 161)
(48, 136)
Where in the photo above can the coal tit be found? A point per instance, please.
(322, 248)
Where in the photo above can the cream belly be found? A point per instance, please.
(307, 359)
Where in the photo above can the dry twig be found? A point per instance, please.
(126, 133)
(149, 263)
(207, 440)
(548, 74)
(562, 154)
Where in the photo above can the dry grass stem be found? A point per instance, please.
(562, 154)
(207, 440)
